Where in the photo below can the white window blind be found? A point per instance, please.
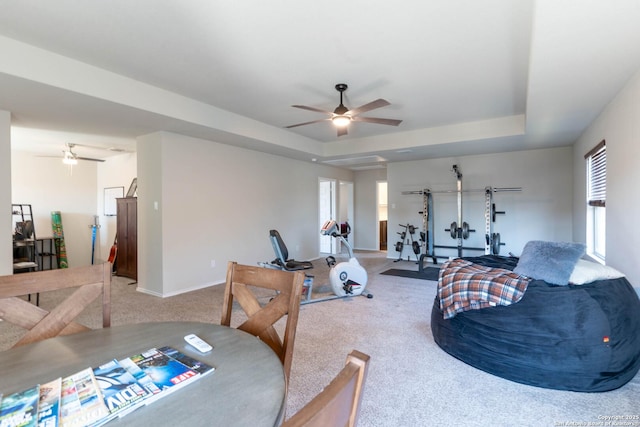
(597, 175)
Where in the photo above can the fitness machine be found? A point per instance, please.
(347, 278)
(460, 230)
(283, 262)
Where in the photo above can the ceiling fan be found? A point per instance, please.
(342, 116)
(71, 158)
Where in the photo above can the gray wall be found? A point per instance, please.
(217, 203)
(619, 125)
(541, 211)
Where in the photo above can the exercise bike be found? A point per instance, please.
(347, 278)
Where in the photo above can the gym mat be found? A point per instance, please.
(430, 273)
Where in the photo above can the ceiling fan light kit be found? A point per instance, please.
(69, 158)
(341, 121)
(342, 116)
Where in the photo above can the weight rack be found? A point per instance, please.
(459, 229)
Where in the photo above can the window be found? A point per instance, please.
(596, 200)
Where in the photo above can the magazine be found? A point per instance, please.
(94, 396)
(167, 373)
(49, 404)
(81, 400)
(120, 390)
(143, 379)
(198, 366)
(20, 409)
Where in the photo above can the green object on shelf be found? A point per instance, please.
(58, 236)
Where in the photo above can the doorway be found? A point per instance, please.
(327, 211)
(345, 208)
(382, 214)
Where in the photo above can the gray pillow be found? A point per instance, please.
(552, 262)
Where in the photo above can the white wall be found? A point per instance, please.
(150, 226)
(6, 254)
(619, 125)
(218, 203)
(366, 209)
(541, 211)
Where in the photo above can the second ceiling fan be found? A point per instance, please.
(342, 116)
(69, 157)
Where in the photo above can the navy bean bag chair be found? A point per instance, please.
(568, 337)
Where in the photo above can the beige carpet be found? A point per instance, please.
(411, 382)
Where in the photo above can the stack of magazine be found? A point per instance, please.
(96, 395)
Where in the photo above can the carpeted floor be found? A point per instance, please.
(411, 381)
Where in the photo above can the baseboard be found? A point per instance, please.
(182, 291)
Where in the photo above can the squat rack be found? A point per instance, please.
(459, 229)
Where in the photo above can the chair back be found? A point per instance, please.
(338, 405)
(242, 285)
(91, 282)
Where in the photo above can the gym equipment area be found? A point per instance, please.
(459, 230)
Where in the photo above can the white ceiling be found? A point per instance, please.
(465, 76)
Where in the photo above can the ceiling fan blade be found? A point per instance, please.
(317, 110)
(99, 147)
(391, 122)
(368, 107)
(89, 159)
(342, 131)
(306, 123)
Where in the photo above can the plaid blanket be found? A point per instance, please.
(463, 285)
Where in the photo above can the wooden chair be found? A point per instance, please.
(260, 321)
(92, 281)
(338, 405)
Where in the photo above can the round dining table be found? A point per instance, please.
(247, 388)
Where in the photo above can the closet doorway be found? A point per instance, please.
(381, 214)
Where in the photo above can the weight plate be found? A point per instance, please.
(495, 245)
(416, 248)
(465, 230)
(453, 229)
(399, 246)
